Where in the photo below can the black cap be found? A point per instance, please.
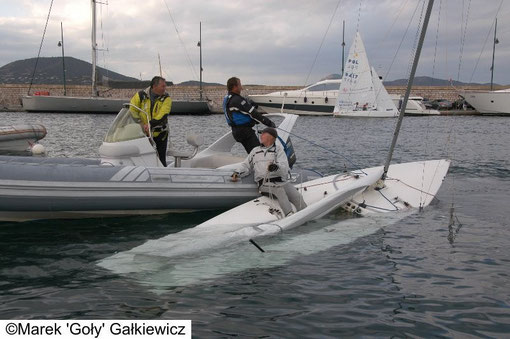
(271, 131)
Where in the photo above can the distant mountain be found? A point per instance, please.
(428, 81)
(332, 77)
(418, 81)
(49, 71)
(197, 83)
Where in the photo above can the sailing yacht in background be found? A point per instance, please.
(92, 104)
(490, 102)
(362, 93)
(97, 104)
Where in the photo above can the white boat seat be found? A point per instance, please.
(194, 140)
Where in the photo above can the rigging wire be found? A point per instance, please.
(40, 47)
(437, 38)
(322, 42)
(322, 147)
(463, 30)
(182, 43)
(486, 39)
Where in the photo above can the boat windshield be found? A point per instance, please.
(124, 128)
(324, 87)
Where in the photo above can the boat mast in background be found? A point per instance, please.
(496, 41)
(201, 69)
(343, 48)
(61, 44)
(409, 85)
(159, 61)
(94, 49)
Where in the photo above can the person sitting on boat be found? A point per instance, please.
(157, 104)
(241, 115)
(269, 163)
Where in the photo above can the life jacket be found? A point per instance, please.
(233, 115)
(289, 151)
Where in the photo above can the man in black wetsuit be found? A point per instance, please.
(241, 115)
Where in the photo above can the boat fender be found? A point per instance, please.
(325, 192)
(38, 149)
(305, 99)
(326, 99)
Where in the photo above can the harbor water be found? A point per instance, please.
(440, 272)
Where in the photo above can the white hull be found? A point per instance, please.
(414, 107)
(63, 104)
(365, 114)
(316, 99)
(408, 186)
(489, 102)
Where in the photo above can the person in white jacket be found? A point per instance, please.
(271, 170)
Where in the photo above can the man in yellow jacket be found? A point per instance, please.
(157, 105)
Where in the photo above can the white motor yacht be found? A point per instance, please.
(316, 99)
(415, 106)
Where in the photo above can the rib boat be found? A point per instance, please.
(128, 178)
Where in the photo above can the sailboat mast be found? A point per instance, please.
(494, 51)
(201, 69)
(409, 85)
(94, 49)
(61, 44)
(343, 48)
(159, 60)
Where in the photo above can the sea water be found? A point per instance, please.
(423, 274)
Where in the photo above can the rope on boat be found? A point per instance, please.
(358, 168)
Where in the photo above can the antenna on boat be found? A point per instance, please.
(408, 89)
(199, 44)
(496, 41)
(343, 48)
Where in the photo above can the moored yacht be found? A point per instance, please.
(415, 106)
(489, 102)
(316, 99)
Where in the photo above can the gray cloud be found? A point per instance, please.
(263, 41)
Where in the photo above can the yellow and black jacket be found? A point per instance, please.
(158, 110)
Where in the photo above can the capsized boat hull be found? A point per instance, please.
(409, 186)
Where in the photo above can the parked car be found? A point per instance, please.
(442, 104)
(428, 103)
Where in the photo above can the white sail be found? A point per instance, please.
(358, 93)
(383, 100)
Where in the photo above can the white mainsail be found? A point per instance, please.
(361, 93)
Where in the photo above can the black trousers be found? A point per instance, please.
(246, 136)
(161, 144)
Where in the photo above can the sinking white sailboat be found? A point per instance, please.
(362, 93)
(368, 192)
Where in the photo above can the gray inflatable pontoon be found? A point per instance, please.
(128, 179)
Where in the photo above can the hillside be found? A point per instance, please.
(418, 81)
(49, 71)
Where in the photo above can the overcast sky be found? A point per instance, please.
(262, 42)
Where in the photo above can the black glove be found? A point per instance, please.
(272, 167)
